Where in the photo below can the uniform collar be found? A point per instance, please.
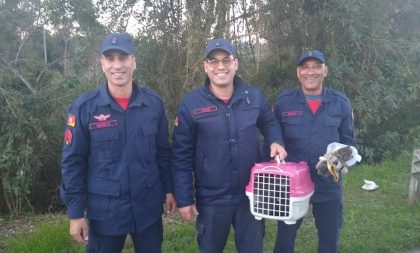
(138, 98)
(238, 87)
(326, 95)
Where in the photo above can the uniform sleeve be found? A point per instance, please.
(74, 164)
(268, 124)
(183, 149)
(164, 154)
(346, 129)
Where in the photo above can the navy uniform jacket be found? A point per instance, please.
(218, 143)
(306, 136)
(116, 161)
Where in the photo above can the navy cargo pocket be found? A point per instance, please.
(199, 227)
(199, 164)
(332, 125)
(292, 127)
(204, 243)
(105, 144)
(147, 142)
(100, 193)
(204, 120)
(157, 194)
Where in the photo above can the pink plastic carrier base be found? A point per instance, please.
(280, 191)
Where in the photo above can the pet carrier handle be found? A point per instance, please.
(278, 160)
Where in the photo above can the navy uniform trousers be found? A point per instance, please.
(328, 220)
(147, 241)
(214, 223)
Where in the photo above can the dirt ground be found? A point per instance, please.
(12, 228)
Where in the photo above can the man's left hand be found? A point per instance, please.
(170, 204)
(277, 149)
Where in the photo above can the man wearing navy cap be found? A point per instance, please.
(215, 145)
(115, 159)
(311, 117)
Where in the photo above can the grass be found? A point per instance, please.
(380, 221)
(51, 238)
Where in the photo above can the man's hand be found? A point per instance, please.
(170, 204)
(277, 149)
(79, 230)
(188, 213)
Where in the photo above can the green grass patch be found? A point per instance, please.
(51, 238)
(379, 221)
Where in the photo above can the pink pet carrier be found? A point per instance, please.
(280, 191)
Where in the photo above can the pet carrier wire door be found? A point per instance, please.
(280, 191)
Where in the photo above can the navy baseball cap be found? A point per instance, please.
(313, 54)
(219, 44)
(117, 41)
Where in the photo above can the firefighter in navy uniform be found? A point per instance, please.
(115, 159)
(216, 141)
(311, 117)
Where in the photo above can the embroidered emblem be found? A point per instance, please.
(102, 117)
(71, 120)
(291, 114)
(114, 40)
(68, 137)
(205, 109)
(103, 124)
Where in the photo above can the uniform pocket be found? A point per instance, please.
(147, 141)
(151, 194)
(100, 193)
(104, 187)
(332, 125)
(199, 164)
(199, 227)
(292, 127)
(295, 120)
(332, 121)
(158, 194)
(105, 144)
(208, 124)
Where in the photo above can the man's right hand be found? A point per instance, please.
(188, 213)
(79, 230)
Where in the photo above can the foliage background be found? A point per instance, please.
(48, 56)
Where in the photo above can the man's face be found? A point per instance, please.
(221, 68)
(311, 76)
(118, 68)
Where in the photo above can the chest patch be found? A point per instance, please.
(102, 117)
(292, 114)
(103, 124)
(208, 109)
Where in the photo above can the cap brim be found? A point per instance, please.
(310, 57)
(221, 49)
(103, 51)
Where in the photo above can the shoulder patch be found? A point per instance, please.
(68, 137)
(71, 120)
